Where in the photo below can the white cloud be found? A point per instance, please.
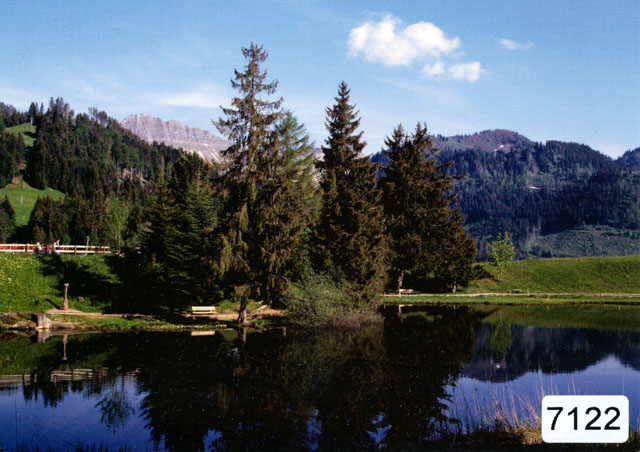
(465, 71)
(382, 43)
(469, 72)
(510, 44)
(433, 69)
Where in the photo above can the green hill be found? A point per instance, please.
(27, 130)
(566, 275)
(23, 198)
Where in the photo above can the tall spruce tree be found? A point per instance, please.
(258, 233)
(351, 244)
(192, 243)
(427, 237)
(298, 191)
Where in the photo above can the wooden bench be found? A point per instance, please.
(409, 291)
(203, 310)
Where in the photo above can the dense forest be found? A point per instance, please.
(271, 222)
(532, 189)
(268, 223)
(100, 166)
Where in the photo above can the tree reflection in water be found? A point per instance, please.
(385, 385)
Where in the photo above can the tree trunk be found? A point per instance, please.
(400, 279)
(242, 312)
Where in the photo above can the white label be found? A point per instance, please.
(585, 419)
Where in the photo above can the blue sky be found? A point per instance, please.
(547, 69)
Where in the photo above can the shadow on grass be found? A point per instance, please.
(86, 279)
(52, 303)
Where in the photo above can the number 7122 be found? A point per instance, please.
(585, 419)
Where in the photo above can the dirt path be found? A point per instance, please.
(223, 317)
(97, 315)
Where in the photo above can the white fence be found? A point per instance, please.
(30, 248)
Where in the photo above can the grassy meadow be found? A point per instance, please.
(594, 275)
(23, 197)
(34, 283)
(27, 130)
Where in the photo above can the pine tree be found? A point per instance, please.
(191, 248)
(156, 244)
(286, 207)
(255, 236)
(47, 222)
(351, 234)
(8, 209)
(7, 219)
(426, 234)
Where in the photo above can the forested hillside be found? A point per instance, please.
(103, 169)
(533, 191)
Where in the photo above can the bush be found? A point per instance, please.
(317, 300)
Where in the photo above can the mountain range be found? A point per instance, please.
(177, 135)
(208, 146)
(554, 199)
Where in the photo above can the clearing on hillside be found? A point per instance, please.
(23, 197)
(27, 130)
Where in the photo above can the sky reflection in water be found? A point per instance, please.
(393, 383)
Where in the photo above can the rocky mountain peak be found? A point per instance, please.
(174, 133)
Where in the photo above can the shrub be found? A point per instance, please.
(317, 300)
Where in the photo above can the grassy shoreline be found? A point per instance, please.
(31, 284)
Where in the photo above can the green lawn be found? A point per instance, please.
(31, 283)
(565, 275)
(23, 198)
(535, 300)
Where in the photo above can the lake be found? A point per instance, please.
(406, 380)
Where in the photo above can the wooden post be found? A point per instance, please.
(65, 302)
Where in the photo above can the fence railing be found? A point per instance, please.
(30, 248)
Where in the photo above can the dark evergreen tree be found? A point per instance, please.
(284, 208)
(298, 190)
(351, 243)
(8, 210)
(85, 218)
(157, 234)
(47, 222)
(192, 245)
(11, 156)
(259, 227)
(7, 219)
(426, 234)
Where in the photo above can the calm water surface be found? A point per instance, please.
(402, 381)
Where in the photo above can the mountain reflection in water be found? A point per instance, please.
(398, 382)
